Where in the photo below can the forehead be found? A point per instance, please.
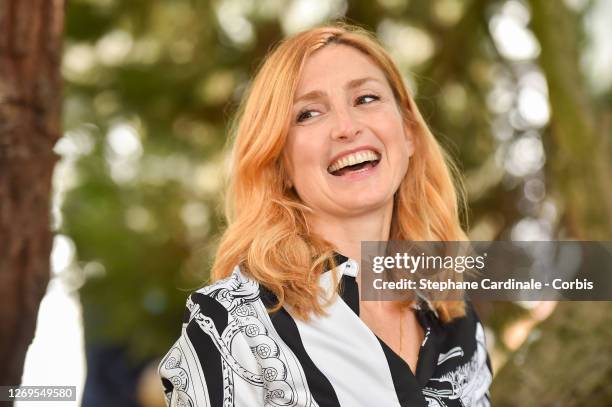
(335, 65)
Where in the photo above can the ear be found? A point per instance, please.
(287, 183)
(286, 170)
(409, 134)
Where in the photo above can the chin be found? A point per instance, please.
(359, 205)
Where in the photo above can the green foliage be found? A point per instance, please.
(153, 84)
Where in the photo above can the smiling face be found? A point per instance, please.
(348, 149)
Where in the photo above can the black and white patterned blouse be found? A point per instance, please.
(233, 352)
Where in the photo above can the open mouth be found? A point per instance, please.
(358, 167)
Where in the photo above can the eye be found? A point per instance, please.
(363, 99)
(304, 115)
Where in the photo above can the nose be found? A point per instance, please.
(345, 126)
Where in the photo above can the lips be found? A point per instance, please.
(354, 169)
(354, 160)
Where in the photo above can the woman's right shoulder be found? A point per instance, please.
(193, 371)
(222, 296)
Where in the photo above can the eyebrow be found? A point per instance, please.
(354, 83)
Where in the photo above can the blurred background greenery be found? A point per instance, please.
(518, 91)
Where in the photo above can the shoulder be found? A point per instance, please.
(476, 326)
(224, 295)
(473, 320)
(467, 333)
(220, 309)
(212, 342)
(213, 307)
(462, 364)
(467, 328)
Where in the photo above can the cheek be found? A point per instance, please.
(397, 145)
(304, 157)
(394, 135)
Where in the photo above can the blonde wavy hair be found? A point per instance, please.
(267, 233)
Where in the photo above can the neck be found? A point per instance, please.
(346, 234)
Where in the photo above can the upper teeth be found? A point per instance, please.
(352, 159)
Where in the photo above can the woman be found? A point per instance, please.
(329, 150)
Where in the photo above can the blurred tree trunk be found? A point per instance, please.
(30, 105)
(566, 361)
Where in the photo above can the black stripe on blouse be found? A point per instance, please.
(208, 355)
(403, 379)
